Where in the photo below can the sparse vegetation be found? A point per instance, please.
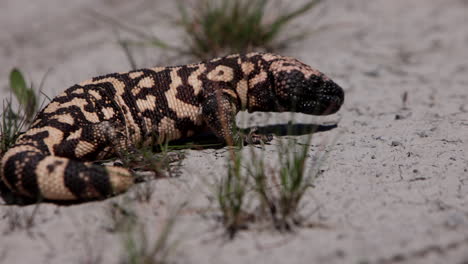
(139, 246)
(214, 28)
(218, 27)
(149, 165)
(276, 191)
(232, 196)
(13, 120)
(280, 190)
(143, 158)
(26, 95)
(10, 128)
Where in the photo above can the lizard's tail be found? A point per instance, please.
(28, 171)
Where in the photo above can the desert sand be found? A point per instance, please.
(393, 188)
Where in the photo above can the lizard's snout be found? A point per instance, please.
(330, 96)
(314, 95)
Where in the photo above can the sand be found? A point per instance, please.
(392, 190)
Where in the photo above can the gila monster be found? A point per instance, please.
(98, 118)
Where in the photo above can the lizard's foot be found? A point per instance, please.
(255, 138)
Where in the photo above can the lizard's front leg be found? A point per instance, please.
(219, 111)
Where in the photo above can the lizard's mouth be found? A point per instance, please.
(331, 100)
(315, 95)
(323, 101)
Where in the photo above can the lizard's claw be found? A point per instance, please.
(254, 138)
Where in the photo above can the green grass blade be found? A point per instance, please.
(24, 94)
(18, 86)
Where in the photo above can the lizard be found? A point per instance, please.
(96, 119)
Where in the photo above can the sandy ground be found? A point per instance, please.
(393, 189)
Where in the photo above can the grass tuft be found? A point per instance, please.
(277, 191)
(26, 95)
(231, 194)
(10, 128)
(219, 27)
(281, 196)
(138, 245)
(145, 159)
(213, 28)
(148, 165)
(14, 120)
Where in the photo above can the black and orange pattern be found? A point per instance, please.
(98, 118)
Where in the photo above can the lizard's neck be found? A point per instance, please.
(261, 95)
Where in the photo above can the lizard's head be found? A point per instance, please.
(300, 88)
